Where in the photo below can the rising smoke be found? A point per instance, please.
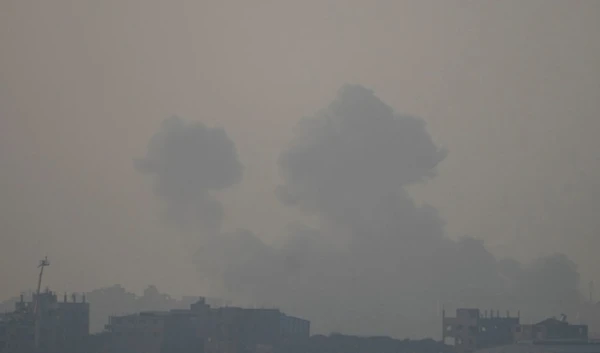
(188, 161)
(378, 262)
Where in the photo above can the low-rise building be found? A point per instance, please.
(202, 329)
(471, 330)
(551, 329)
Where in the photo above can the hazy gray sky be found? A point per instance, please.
(511, 89)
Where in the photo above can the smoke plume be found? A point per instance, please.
(187, 162)
(354, 157)
(378, 263)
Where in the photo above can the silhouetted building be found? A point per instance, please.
(204, 329)
(98, 343)
(143, 332)
(253, 330)
(73, 324)
(186, 331)
(58, 327)
(17, 330)
(470, 331)
(551, 329)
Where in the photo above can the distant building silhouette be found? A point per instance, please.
(63, 326)
(551, 330)
(205, 329)
(470, 331)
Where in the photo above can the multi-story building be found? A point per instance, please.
(470, 330)
(73, 324)
(205, 329)
(256, 329)
(17, 330)
(57, 327)
(143, 332)
(175, 331)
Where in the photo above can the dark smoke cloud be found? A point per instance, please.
(379, 263)
(355, 155)
(350, 165)
(187, 162)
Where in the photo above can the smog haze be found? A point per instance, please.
(358, 163)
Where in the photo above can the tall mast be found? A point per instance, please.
(36, 303)
(43, 263)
